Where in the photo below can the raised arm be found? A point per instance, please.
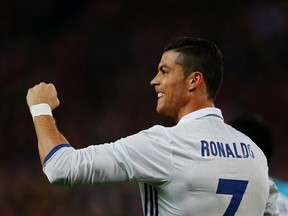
(46, 130)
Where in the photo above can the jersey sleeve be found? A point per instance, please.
(145, 156)
(271, 208)
(91, 165)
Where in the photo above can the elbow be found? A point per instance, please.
(56, 176)
(57, 167)
(56, 180)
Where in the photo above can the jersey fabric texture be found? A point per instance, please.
(282, 196)
(201, 166)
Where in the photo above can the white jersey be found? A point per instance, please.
(201, 166)
(282, 200)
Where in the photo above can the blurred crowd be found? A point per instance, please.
(101, 55)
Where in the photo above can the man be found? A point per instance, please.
(259, 131)
(201, 166)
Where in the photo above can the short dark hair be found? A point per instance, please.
(258, 130)
(197, 54)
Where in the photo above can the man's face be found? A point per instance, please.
(170, 85)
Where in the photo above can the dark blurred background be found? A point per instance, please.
(101, 55)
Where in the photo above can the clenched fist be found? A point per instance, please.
(43, 93)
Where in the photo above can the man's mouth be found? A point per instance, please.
(160, 94)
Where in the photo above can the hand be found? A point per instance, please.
(43, 93)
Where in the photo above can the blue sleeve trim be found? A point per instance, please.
(55, 149)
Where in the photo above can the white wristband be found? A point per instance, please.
(40, 109)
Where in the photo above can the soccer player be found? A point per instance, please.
(200, 166)
(259, 131)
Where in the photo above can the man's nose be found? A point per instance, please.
(154, 81)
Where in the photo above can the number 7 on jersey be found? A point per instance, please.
(236, 188)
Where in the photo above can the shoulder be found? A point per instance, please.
(154, 139)
(157, 132)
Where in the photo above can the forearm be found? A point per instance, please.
(47, 134)
(67, 166)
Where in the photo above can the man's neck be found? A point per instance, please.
(188, 110)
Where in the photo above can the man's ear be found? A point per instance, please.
(195, 79)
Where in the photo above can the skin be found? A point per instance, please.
(177, 96)
(46, 130)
